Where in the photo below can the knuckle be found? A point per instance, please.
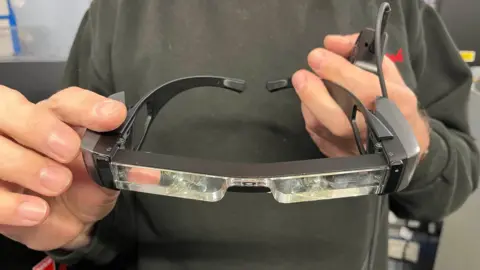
(59, 97)
(409, 111)
(15, 159)
(319, 131)
(311, 130)
(72, 89)
(354, 79)
(367, 98)
(9, 204)
(342, 128)
(342, 77)
(408, 104)
(18, 171)
(411, 97)
(14, 97)
(317, 60)
(65, 93)
(309, 125)
(341, 131)
(10, 158)
(34, 119)
(309, 120)
(55, 101)
(315, 127)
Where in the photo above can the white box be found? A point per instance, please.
(3, 8)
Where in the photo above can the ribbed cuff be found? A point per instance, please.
(96, 251)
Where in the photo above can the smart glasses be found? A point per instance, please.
(385, 165)
(386, 162)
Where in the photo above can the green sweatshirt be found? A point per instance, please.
(135, 45)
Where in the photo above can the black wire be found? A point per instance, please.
(382, 18)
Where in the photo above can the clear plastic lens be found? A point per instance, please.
(322, 187)
(213, 188)
(169, 183)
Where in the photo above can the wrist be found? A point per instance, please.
(82, 240)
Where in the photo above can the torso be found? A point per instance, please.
(256, 41)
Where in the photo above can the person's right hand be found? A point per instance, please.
(47, 199)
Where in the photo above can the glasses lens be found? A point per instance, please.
(322, 187)
(169, 183)
(213, 188)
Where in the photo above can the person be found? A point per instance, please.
(49, 203)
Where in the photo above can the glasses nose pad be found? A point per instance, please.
(278, 85)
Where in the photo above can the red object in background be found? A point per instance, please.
(46, 264)
(396, 58)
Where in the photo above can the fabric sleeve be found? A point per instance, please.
(113, 240)
(449, 173)
(89, 64)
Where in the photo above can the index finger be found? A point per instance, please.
(339, 44)
(313, 93)
(363, 84)
(36, 128)
(84, 108)
(343, 45)
(46, 127)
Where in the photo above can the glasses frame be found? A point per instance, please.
(391, 143)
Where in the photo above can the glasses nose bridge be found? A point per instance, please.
(250, 182)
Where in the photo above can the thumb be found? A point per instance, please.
(87, 200)
(83, 108)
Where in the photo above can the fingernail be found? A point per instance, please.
(299, 80)
(31, 213)
(107, 108)
(340, 38)
(317, 58)
(63, 148)
(55, 179)
(335, 36)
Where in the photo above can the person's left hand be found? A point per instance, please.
(325, 121)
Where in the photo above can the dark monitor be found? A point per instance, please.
(36, 80)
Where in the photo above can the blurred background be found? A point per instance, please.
(35, 38)
(43, 30)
